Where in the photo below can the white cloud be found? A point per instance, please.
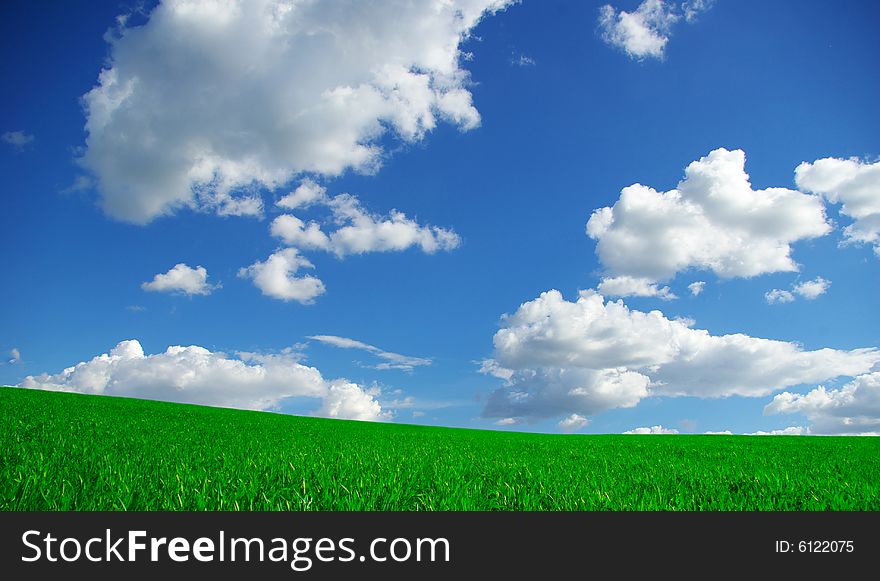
(850, 182)
(17, 139)
(697, 287)
(721, 433)
(391, 360)
(572, 423)
(14, 355)
(852, 409)
(347, 400)
(507, 422)
(643, 33)
(628, 286)
(182, 279)
(491, 367)
(196, 375)
(359, 231)
(308, 87)
(305, 195)
(812, 289)
(778, 296)
(652, 430)
(362, 231)
(789, 431)
(693, 8)
(713, 221)
(295, 232)
(275, 277)
(561, 357)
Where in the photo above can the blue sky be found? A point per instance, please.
(496, 132)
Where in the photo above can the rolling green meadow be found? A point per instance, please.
(63, 451)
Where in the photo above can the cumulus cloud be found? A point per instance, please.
(275, 277)
(307, 87)
(560, 357)
(713, 221)
(572, 423)
(359, 231)
(294, 232)
(643, 33)
(778, 296)
(196, 375)
(697, 287)
(507, 422)
(346, 400)
(306, 194)
(390, 360)
(810, 290)
(721, 433)
(852, 183)
(652, 430)
(628, 286)
(789, 431)
(182, 279)
(534, 394)
(17, 139)
(852, 409)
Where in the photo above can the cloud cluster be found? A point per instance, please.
(652, 430)
(713, 220)
(789, 431)
(810, 290)
(17, 139)
(182, 279)
(390, 360)
(561, 357)
(645, 32)
(207, 101)
(357, 230)
(855, 185)
(196, 375)
(852, 409)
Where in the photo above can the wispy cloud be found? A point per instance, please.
(390, 360)
(17, 139)
(521, 60)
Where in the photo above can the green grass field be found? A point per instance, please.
(61, 451)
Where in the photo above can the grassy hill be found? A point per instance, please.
(62, 451)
